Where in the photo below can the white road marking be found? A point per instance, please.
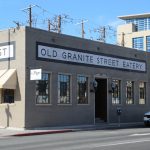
(140, 134)
(126, 142)
(92, 146)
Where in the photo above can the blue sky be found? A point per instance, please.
(97, 12)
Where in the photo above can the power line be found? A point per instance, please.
(55, 23)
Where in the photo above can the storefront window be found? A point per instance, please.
(42, 90)
(7, 96)
(82, 89)
(142, 92)
(63, 89)
(116, 98)
(129, 92)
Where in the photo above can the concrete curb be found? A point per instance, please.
(42, 132)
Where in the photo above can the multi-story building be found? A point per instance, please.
(135, 33)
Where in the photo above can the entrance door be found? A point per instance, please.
(101, 99)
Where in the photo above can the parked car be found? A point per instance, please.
(147, 118)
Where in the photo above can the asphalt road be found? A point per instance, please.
(116, 139)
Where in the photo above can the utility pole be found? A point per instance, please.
(122, 39)
(30, 16)
(82, 27)
(29, 9)
(82, 32)
(52, 26)
(103, 33)
(59, 24)
(49, 25)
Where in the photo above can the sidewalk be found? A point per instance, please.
(5, 132)
(47, 130)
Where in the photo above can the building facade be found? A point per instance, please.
(135, 33)
(82, 81)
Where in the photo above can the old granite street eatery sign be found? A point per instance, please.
(66, 55)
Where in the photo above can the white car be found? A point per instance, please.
(147, 118)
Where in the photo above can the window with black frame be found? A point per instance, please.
(42, 89)
(142, 93)
(129, 92)
(63, 89)
(82, 89)
(116, 98)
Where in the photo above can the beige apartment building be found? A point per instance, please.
(135, 33)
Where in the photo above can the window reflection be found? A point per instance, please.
(42, 90)
(63, 89)
(116, 98)
(142, 92)
(82, 89)
(129, 92)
